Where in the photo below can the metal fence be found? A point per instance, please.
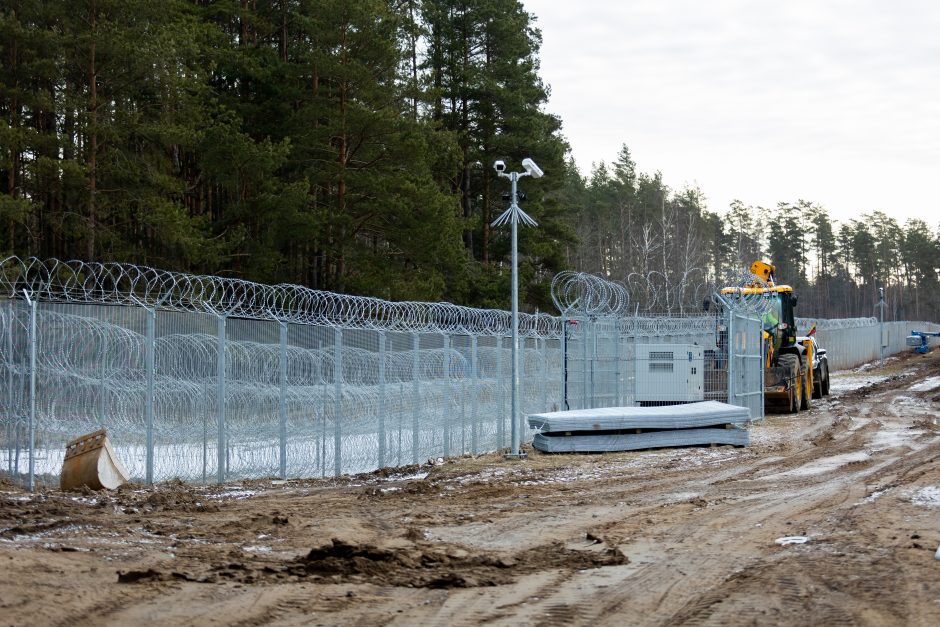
(204, 397)
(212, 379)
(621, 361)
(855, 341)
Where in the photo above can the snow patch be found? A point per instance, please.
(256, 549)
(841, 383)
(784, 541)
(872, 497)
(233, 494)
(820, 466)
(889, 438)
(926, 385)
(927, 497)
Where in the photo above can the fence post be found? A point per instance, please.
(585, 379)
(500, 426)
(416, 396)
(544, 354)
(148, 400)
(618, 398)
(102, 382)
(32, 394)
(338, 402)
(382, 403)
(732, 396)
(563, 371)
(448, 392)
(12, 427)
(763, 411)
(594, 326)
(282, 397)
(220, 401)
(475, 398)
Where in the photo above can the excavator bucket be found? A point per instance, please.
(90, 461)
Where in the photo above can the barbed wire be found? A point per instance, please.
(114, 283)
(825, 324)
(738, 280)
(586, 294)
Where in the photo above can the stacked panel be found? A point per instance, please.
(611, 429)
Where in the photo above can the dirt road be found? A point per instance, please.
(830, 517)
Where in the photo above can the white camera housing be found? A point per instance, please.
(532, 168)
(500, 165)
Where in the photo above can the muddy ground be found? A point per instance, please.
(830, 517)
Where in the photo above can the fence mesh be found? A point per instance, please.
(209, 379)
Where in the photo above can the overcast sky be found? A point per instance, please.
(832, 101)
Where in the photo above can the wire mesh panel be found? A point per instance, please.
(210, 379)
(745, 369)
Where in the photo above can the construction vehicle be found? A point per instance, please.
(919, 341)
(90, 462)
(788, 357)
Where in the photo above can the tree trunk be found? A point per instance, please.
(92, 159)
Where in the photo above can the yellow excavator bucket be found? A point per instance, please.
(90, 461)
(763, 270)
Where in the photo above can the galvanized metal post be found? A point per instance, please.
(321, 444)
(618, 392)
(401, 419)
(514, 416)
(543, 353)
(732, 396)
(382, 403)
(205, 432)
(148, 399)
(474, 398)
(593, 362)
(447, 417)
(585, 380)
(337, 402)
(760, 379)
(500, 396)
(102, 382)
(282, 399)
(31, 482)
(881, 324)
(563, 388)
(222, 451)
(12, 426)
(514, 215)
(416, 396)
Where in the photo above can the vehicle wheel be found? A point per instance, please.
(817, 382)
(825, 378)
(792, 363)
(805, 392)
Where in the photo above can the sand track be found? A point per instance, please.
(685, 536)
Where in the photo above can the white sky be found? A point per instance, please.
(836, 101)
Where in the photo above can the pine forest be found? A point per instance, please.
(347, 145)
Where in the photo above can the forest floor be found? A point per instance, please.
(830, 516)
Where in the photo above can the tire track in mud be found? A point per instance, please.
(697, 524)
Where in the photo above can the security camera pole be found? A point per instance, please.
(514, 215)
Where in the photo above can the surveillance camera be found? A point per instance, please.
(530, 166)
(500, 165)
